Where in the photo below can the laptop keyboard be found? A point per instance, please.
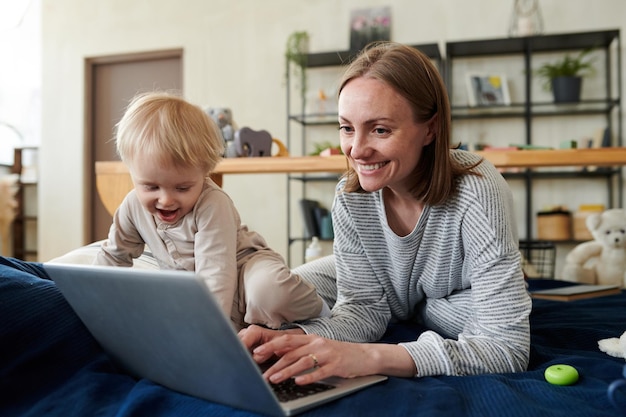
(288, 390)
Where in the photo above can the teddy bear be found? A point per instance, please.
(614, 346)
(223, 117)
(602, 260)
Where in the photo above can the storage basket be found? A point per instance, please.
(538, 258)
(580, 230)
(554, 225)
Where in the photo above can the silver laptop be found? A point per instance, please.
(165, 326)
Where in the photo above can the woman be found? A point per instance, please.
(422, 233)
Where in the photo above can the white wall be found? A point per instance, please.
(20, 74)
(233, 56)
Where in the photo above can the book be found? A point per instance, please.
(309, 209)
(576, 292)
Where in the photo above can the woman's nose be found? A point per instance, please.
(359, 146)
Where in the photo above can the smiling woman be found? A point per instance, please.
(423, 233)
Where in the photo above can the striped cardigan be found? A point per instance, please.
(458, 272)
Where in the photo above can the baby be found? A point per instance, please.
(170, 147)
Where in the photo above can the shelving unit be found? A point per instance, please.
(299, 122)
(530, 108)
(25, 223)
(113, 179)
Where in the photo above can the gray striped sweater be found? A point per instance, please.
(458, 272)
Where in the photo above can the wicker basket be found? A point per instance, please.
(554, 225)
(581, 232)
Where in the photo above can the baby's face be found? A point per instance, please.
(167, 192)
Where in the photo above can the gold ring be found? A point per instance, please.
(316, 364)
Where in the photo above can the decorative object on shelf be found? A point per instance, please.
(487, 90)
(581, 231)
(311, 211)
(526, 18)
(554, 223)
(282, 149)
(317, 220)
(223, 117)
(564, 77)
(322, 104)
(602, 260)
(369, 25)
(326, 148)
(314, 250)
(296, 52)
(249, 142)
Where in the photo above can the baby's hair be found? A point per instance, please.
(170, 130)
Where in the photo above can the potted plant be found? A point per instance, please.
(564, 77)
(296, 53)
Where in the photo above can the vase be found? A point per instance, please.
(566, 89)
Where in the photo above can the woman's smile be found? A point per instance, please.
(371, 167)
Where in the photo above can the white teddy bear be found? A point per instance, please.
(602, 260)
(614, 346)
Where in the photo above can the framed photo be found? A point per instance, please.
(487, 90)
(369, 25)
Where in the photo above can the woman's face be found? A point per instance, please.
(379, 136)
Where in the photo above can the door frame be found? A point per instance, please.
(89, 183)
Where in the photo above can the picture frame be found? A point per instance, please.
(369, 25)
(485, 90)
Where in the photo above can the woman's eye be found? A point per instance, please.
(345, 129)
(381, 131)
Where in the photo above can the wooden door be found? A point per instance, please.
(111, 82)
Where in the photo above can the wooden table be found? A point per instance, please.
(113, 181)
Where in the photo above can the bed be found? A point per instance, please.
(51, 365)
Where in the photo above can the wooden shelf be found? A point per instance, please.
(337, 163)
(556, 158)
(113, 181)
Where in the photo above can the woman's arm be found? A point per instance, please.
(493, 315)
(300, 353)
(362, 312)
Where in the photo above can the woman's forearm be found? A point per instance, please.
(389, 359)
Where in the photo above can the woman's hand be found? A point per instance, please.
(254, 336)
(310, 358)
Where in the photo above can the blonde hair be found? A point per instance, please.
(170, 130)
(412, 75)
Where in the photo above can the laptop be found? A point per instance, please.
(166, 326)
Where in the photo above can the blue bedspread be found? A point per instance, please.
(51, 366)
